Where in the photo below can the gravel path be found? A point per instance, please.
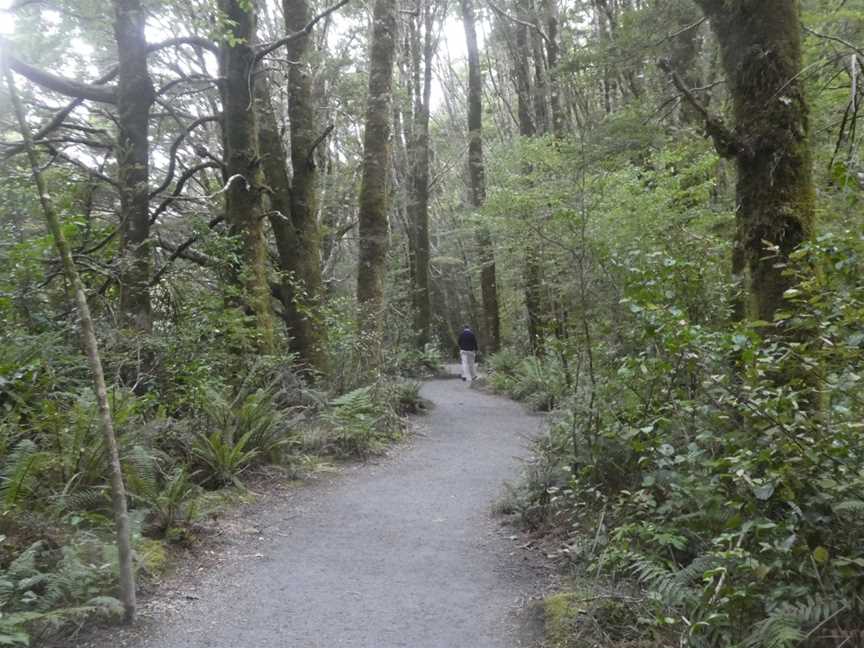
(402, 552)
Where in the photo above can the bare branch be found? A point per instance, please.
(266, 48)
(852, 47)
(195, 41)
(524, 23)
(178, 188)
(683, 30)
(172, 163)
(725, 141)
(56, 83)
(183, 249)
(60, 116)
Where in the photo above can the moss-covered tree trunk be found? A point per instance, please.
(294, 193)
(135, 96)
(491, 331)
(760, 42)
(373, 224)
(418, 154)
(304, 322)
(243, 201)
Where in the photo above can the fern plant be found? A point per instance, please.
(169, 496)
(40, 591)
(223, 459)
(21, 474)
(354, 417)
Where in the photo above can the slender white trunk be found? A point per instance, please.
(88, 333)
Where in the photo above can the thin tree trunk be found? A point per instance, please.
(527, 128)
(559, 120)
(243, 207)
(491, 331)
(418, 204)
(91, 346)
(135, 96)
(373, 189)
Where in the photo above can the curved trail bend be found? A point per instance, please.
(405, 552)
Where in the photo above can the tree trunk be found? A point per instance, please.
(760, 42)
(135, 96)
(88, 332)
(533, 276)
(373, 189)
(418, 203)
(306, 327)
(243, 204)
(477, 177)
(559, 120)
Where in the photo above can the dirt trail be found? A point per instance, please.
(400, 552)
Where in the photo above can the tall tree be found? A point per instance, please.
(533, 273)
(294, 193)
(305, 326)
(135, 96)
(243, 205)
(373, 223)
(422, 51)
(760, 45)
(491, 332)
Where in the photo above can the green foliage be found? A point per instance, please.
(222, 457)
(540, 382)
(44, 588)
(731, 495)
(362, 421)
(168, 495)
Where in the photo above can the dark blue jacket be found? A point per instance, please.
(467, 341)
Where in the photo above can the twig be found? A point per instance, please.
(835, 39)
(524, 23)
(680, 31)
(265, 49)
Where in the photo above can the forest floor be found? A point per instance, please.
(402, 550)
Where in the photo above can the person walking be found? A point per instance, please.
(467, 353)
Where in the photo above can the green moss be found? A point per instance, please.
(561, 614)
(152, 556)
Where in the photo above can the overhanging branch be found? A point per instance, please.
(59, 84)
(266, 48)
(725, 141)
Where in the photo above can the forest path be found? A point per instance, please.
(404, 551)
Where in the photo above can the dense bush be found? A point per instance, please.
(721, 465)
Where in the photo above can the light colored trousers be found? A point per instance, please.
(468, 371)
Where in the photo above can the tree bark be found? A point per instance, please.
(135, 96)
(418, 203)
(760, 42)
(88, 332)
(559, 120)
(373, 223)
(305, 324)
(532, 274)
(491, 332)
(243, 204)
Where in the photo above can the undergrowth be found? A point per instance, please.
(719, 465)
